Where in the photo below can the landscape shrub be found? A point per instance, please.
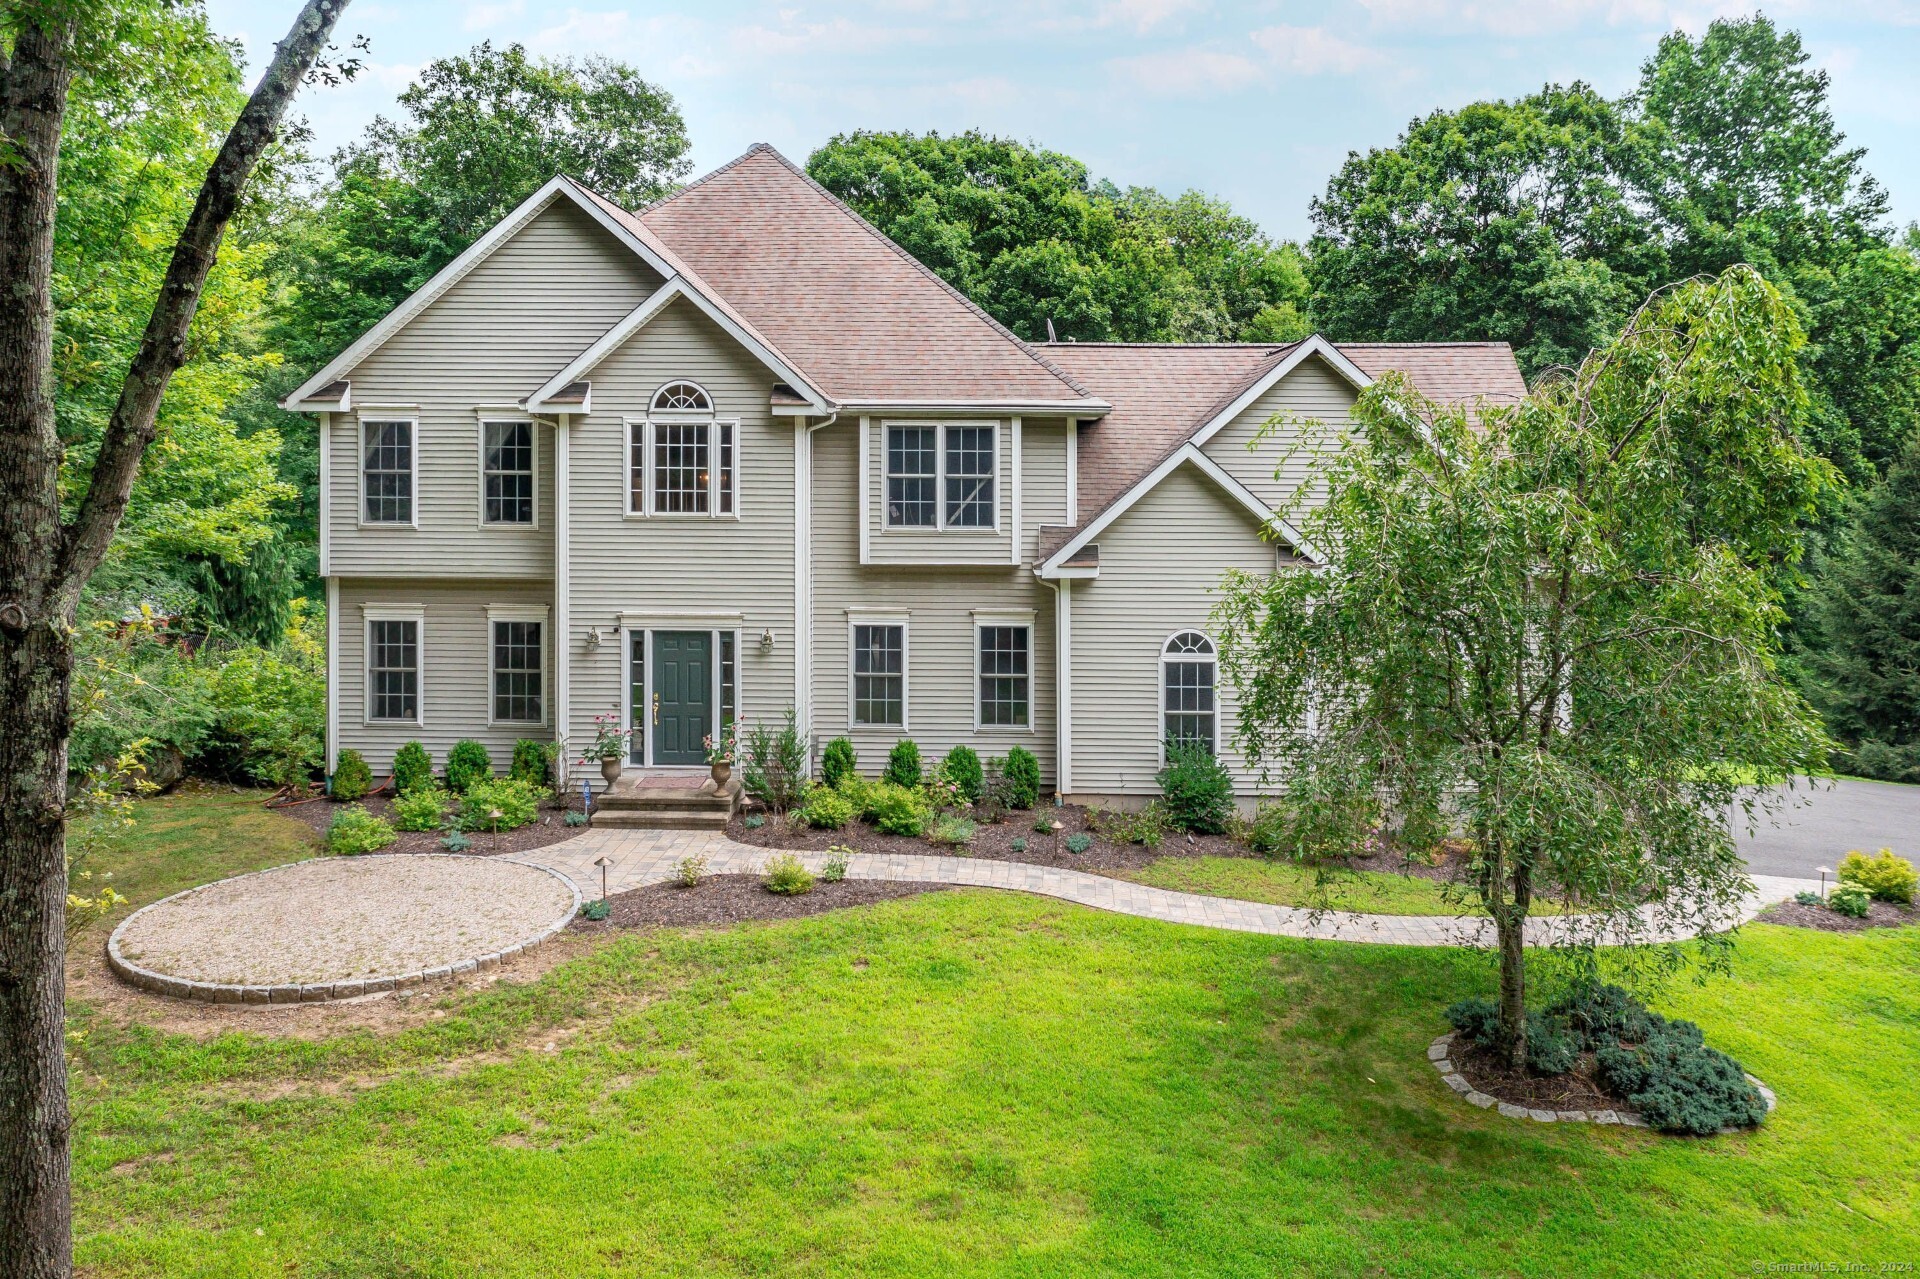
(962, 768)
(1043, 824)
(856, 789)
(1146, 827)
(1887, 877)
(838, 761)
(516, 802)
(903, 763)
(1079, 842)
(1678, 1084)
(1849, 899)
(456, 841)
(943, 793)
(834, 869)
(774, 764)
(753, 821)
(531, 762)
(467, 764)
(412, 768)
(690, 871)
(596, 910)
(1269, 833)
(952, 832)
(826, 809)
(574, 817)
(1475, 1019)
(1019, 844)
(352, 779)
(355, 830)
(1023, 778)
(786, 876)
(1197, 789)
(896, 810)
(1600, 1014)
(422, 808)
(1807, 897)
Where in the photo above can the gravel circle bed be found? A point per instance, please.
(339, 927)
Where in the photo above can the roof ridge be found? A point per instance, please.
(1175, 346)
(700, 181)
(1019, 343)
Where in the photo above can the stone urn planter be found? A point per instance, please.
(610, 769)
(721, 773)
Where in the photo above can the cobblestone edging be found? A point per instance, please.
(317, 992)
(1439, 1052)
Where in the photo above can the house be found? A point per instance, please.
(738, 452)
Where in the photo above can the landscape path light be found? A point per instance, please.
(1824, 872)
(603, 863)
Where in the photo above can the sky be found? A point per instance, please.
(1256, 102)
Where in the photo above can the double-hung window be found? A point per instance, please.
(1189, 710)
(393, 665)
(519, 665)
(1004, 674)
(506, 472)
(387, 464)
(880, 674)
(941, 475)
(681, 460)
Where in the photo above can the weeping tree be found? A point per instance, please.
(1551, 628)
(52, 541)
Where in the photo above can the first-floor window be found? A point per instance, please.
(880, 674)
(1189, 712)
(518, 695)
(393, 669)
(1005, 675)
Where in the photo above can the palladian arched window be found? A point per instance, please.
(681, 397)
(1189, 707)
(681, 459)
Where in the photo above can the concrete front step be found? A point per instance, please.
(644, 803)
(644, 800)
(661, 819)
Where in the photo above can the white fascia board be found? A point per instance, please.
(1313, 346)
(450, 274)
(1187, 454)
(636, 319)
(1067, 573)
(1032, 408)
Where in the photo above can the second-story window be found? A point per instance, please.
(940, 476)
(387, 471)
(506, 469)
(681, 460)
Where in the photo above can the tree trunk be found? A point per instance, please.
(1513, 986)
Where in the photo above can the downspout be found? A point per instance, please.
(803, 576)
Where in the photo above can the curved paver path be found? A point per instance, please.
(337, 927)
(640, 857)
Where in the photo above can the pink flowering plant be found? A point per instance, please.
(609, 739)
(722, 749)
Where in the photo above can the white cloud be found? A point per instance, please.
(793, 36)
(1144, 15)
(1313, 51)
(1541, 17)
(1191, 73)
(485, 17)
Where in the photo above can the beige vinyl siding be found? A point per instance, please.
(935, 546)
(1313, 392)
(681, 563)
(507, 326)
(1160, 565)
(940, 604)
(455, 668)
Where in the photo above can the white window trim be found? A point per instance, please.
(375, 413)
(713, 511)
(870, 618)
(483, 417)
(1160, 685)
(939, 525)
(415, 613)
(1019, 617)
(632, 624)
(522, 613)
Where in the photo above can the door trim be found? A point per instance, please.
(631, 625)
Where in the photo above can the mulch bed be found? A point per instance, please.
(548, 828)
(992, 841)
(1879, 915)
(732, 899)
(1576, 1090)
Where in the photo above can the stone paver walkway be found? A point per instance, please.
(640, 857)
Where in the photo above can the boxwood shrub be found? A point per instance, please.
(517, 803)
(352, 779)
(962, 768)
(838, 761)
(467, 763)
(412, 768)
(903, 763)
(1023, 778)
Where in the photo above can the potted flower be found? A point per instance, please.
(720, 753)
(609, 745)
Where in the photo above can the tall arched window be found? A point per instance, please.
(681, 459)
(1189, 709)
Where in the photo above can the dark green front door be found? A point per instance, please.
(683, 696)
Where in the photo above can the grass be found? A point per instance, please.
(198, 834)
(1287, 884)
(982, 1084)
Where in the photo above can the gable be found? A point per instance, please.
(1312, 396)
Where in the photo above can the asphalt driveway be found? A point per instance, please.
(1822, 820)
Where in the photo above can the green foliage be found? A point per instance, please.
(1029, 237)
(352, 779)
(753, 821)
(597, 910)
(1019, 844)
(1599, 1013)
(1023, 778)
(857, 790)
(455, 841)
(775, 761)
(532, 762)
(1365, 701)
(1146, 826)
(962, 768)
(574, 818)
(355, 830)
(896, 810)
(1043, 824)
(826, 809)
(422, 808)
(1551, 1049)
(1196, 789)
(412, 768)
(1808, 897)
(1270, 832)
(497, 804)
(1849, 899)
(1678, 1084)
(834, 869)
(468, 765)
(786, 876)
(903, 763)
(1887, 877)
(838, 761)
(1079, 842)
(689, 871)
(952, 832)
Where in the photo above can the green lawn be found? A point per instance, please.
(198, 834)
(1286, 884)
